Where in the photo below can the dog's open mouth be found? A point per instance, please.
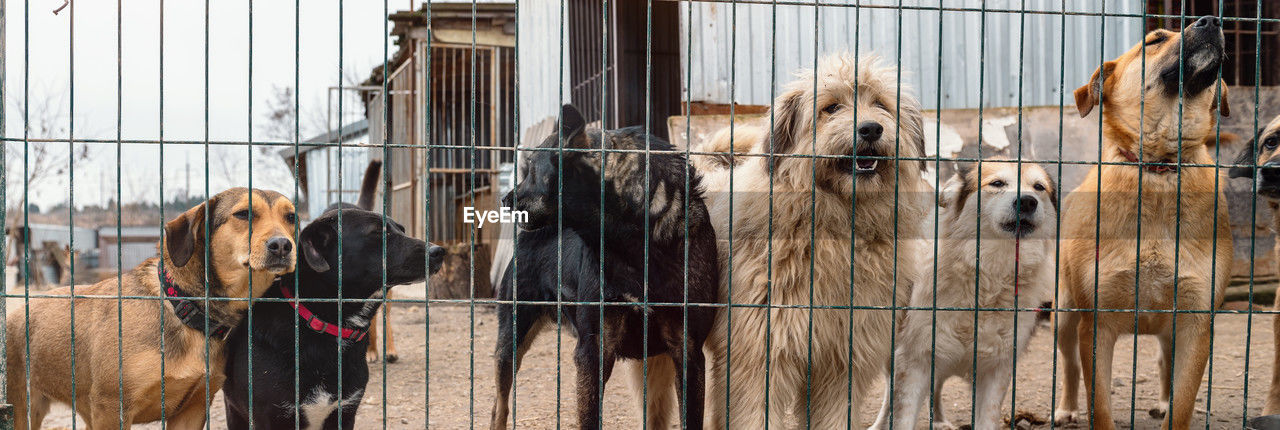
(861, 166)
(867, 166)
(1019, 228)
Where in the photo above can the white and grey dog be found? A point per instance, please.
(995, 250)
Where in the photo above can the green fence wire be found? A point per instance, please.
(609, 100)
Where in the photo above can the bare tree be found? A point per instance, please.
(319, 115)
(281, 115)
(33, 165)
(284, 115)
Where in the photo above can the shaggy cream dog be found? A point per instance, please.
(996, 227)
(813, 232)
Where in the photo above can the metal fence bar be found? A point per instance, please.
(933, 313)
(26, 198)
(297, 232)
(428, 115)
(977, 245)
(71, 179)
(1253, 217)
(483, 143)
(120, 193)
(1057, 219)
(5, 402)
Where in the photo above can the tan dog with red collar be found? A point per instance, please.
(118, 374)
(1185, 237)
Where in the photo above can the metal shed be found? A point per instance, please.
(450, 84)
(318, 176)
(974, 54)
(134, 244)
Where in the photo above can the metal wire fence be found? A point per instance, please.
(807, 200)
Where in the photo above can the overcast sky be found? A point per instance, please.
(94, 80)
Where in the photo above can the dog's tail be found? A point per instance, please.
(369, 186)
(723, 145)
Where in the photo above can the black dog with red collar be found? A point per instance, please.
(329, 356)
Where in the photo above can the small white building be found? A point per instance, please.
(126, 247)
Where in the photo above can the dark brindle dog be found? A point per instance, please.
(675, 200)
(1264, 152)
(318, 401)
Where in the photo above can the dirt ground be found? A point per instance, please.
(454, 389)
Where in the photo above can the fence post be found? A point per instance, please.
(6, 410)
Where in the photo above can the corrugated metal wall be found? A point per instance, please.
(544, 78)
(133, 254)
(85, 239)
(323, 187)
(916, 41)
(763, 53)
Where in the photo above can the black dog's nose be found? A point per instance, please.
(435, 256)
(1207, 21)
(870, 130)
(1270, 173)
(279, 246)
(1026, 204)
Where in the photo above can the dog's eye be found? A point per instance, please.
(997, 183)
(291, 218)
(881, 104)
(1271, 142)
(244, 214)
(1157, 40)
(1039, 187)
(831, 108)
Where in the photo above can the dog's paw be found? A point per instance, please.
(944, 425)
(371, 356)
(392, 357)
(1063, 416)
(1159, 411)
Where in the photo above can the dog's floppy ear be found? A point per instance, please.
(1052, 190)
(1245, 160)
(184, 233)
(911, 128)
(1090, 94)
(312, 243)
(572, 125)
(787, 114)
(959, 187)
(951, 190)
(1224, 106)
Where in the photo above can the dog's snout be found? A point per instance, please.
(279, 246)
(870, 130)
(1026, 204)
(1207, 22)
(435, 256)
(1270, 172)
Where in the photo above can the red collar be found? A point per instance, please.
(320, 325)
(190, 312)
(1153, 168)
